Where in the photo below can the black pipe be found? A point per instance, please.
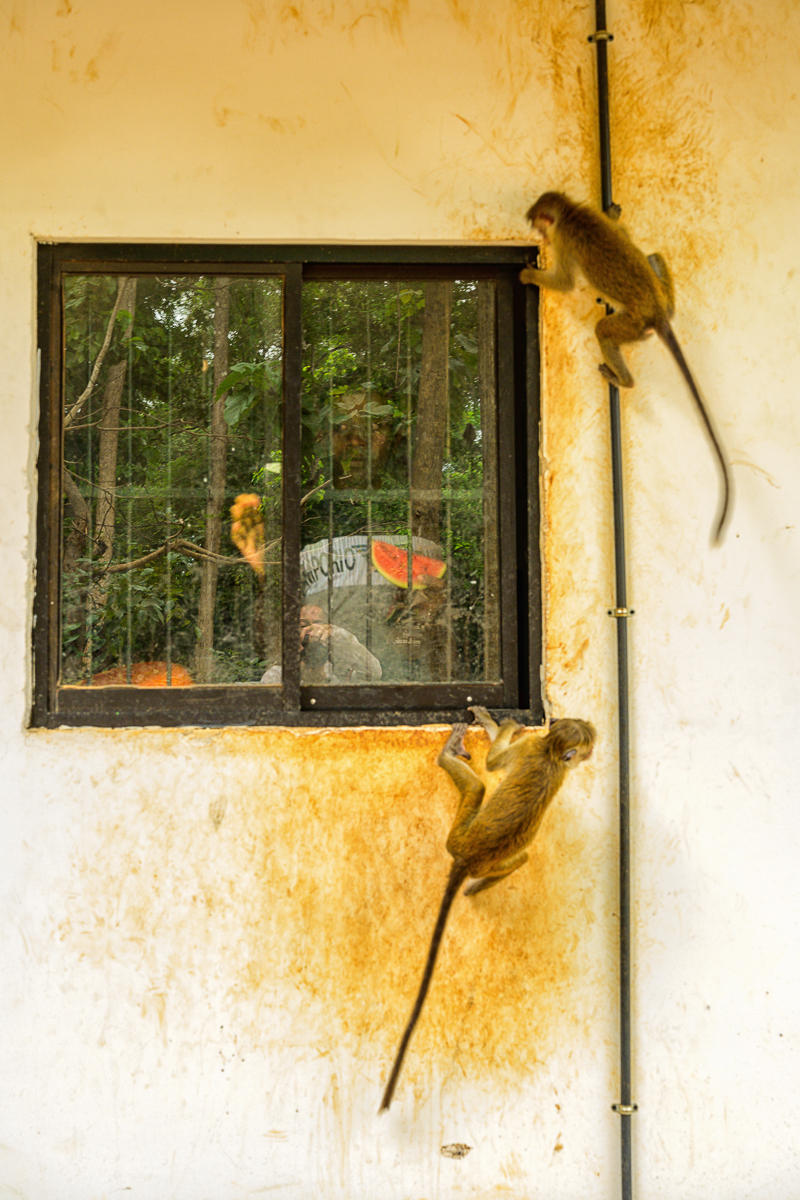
(625, 1108)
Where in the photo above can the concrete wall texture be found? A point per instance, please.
(210, 938)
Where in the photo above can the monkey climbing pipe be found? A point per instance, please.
(625, 1108)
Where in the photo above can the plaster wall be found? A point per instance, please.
(210, 938)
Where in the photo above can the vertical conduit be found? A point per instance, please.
(625, 1108)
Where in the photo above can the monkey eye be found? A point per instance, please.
(569, 754)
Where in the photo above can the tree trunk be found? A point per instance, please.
(430, 441)
(76, 524)
(106, 503)
(218, 457)
(108, 447)
(432, 414)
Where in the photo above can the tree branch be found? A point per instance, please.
(179, 546)
(87, 391)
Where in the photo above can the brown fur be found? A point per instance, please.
(581, 239)
(485, 837)
(487, 841)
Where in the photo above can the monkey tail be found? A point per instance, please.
(671, 342)
(457, 876)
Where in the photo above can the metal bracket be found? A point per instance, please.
(625, 1110)
(620, 613)
(601, 35)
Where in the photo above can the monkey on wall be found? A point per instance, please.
(487, 841)
(579, 238)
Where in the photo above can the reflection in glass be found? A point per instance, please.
(399, 559)
(173, 402)
(171, 570)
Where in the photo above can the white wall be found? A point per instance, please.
(195, 1008)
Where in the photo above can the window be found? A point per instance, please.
(285, 485)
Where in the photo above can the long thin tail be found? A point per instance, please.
(668, 337)
(457, 876)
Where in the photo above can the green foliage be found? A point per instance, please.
(245, 386)
(361, 362)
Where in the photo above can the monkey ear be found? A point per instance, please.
(562, 740)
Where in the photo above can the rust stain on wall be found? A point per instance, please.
(325, 881)
(82, 67)
(365, 875)
(664, 113)
(290, 126)
(572, 82)
(574, 497)
(303, 18)
(576, 655)
(535, 63)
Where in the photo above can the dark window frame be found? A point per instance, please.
(294, 705)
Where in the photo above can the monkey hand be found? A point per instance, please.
(482, 716)
(529, 274)
(612, 377)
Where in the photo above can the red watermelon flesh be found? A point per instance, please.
(392, 562)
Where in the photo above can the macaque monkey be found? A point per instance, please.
(581, 239)
(487, 841)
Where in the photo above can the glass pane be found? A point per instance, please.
(172, 459)
(399, 454)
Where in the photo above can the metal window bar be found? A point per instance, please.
(331, 501)
(447, 501)
(487, 382)
(292, 519)
(169, 507)
(368, 638)
(92, 509)
(129, 517)
(409, 458)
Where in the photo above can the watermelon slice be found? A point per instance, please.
(392, 562)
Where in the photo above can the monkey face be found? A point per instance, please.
(544, 213)
(542, 227)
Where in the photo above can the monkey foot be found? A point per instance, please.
(455, 743)
(612, 377)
